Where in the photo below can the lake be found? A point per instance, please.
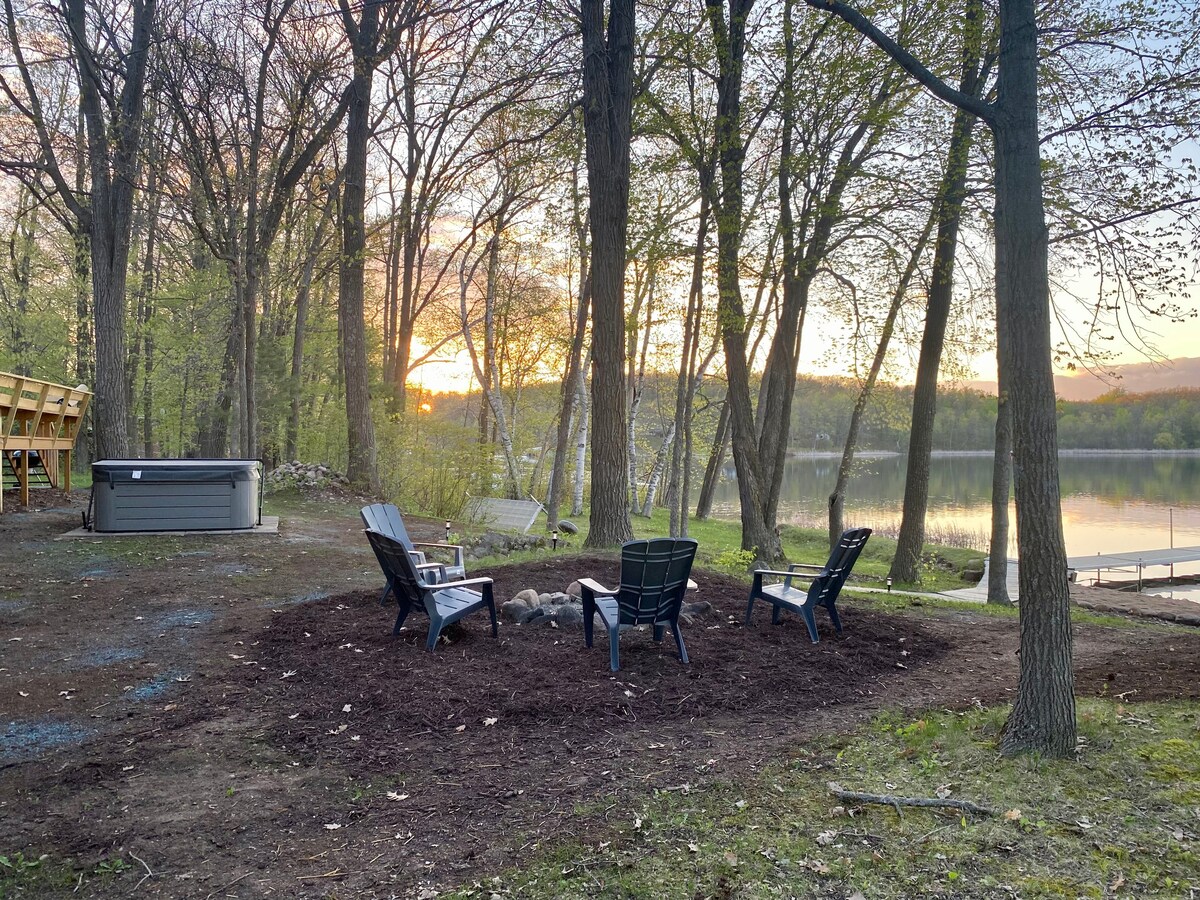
(1110, 502)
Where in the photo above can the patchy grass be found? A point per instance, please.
(1121, 820)
(900, 602)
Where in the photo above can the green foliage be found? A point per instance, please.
(735, 562)
(432, 466)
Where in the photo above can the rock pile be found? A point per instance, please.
(304, 476)
(564, 609)
(493, 543)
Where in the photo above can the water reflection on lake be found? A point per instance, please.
(1110, 504)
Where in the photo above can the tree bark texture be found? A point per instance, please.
(362, 469)
(906, 564)
(113, 144)
(1043, 715)
(607, 105)
(997, 586)
(729, 41)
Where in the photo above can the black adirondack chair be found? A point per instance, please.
(444, 602)
(654, 577)
(822, 591)
(385, 518)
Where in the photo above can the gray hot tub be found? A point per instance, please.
(175, 494)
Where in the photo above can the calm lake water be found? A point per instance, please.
(1110, 503)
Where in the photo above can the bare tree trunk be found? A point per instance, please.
(567, 407)
(637, 386)
(997, 586)
(951, 194)
(581, 444)
(1043, 715)
(712, 469)
(656, 473)
(362, 469)
(114, 162)
(729, 40)
(607, 105)
(677, 494)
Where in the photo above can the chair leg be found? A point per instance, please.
(658, 633)
(614, 648)
(387, 589)
(776, 611)
(683, 657)
(837, 622)
(405, 608)
(811, 621)
(492, 612)
(435, 631)
(749, 608)
(589, 619)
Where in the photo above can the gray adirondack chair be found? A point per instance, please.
(385, 518)
(445, 602)
(654, 578)
(822, 591)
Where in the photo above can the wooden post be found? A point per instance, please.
(24, 476)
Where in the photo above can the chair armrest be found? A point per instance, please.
(597, 588)
(439, 567)
(776, 572)
(812, 566)
(466, 582)
(457, 548)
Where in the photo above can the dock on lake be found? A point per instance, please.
(1133, 560)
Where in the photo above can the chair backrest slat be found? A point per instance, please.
(654, 575)
(829, 583)
(397, 564)
(385, 518)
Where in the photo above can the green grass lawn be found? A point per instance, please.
(1122, 820)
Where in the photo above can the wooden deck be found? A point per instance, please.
(42, 419)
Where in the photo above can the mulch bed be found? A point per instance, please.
(536, 681)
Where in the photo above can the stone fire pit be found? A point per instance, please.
(564, 609)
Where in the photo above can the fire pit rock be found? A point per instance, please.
(562, 609)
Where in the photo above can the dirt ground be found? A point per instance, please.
(231, 717)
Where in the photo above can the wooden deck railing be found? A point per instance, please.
(42, 418)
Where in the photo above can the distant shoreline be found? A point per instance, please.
(941, 454)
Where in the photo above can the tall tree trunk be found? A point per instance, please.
(677, 494)
(997, 586)
(712, 469)
(637, 386)
(656, 473)
(296, 373)
(607, 105)
(729, 40)
(1043, 715)
(114, 163)
(951, 194)
(362, 469)
(581, 441)
(567, 406)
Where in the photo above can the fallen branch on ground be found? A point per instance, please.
(897, 802)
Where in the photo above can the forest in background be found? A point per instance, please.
(242, 332)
